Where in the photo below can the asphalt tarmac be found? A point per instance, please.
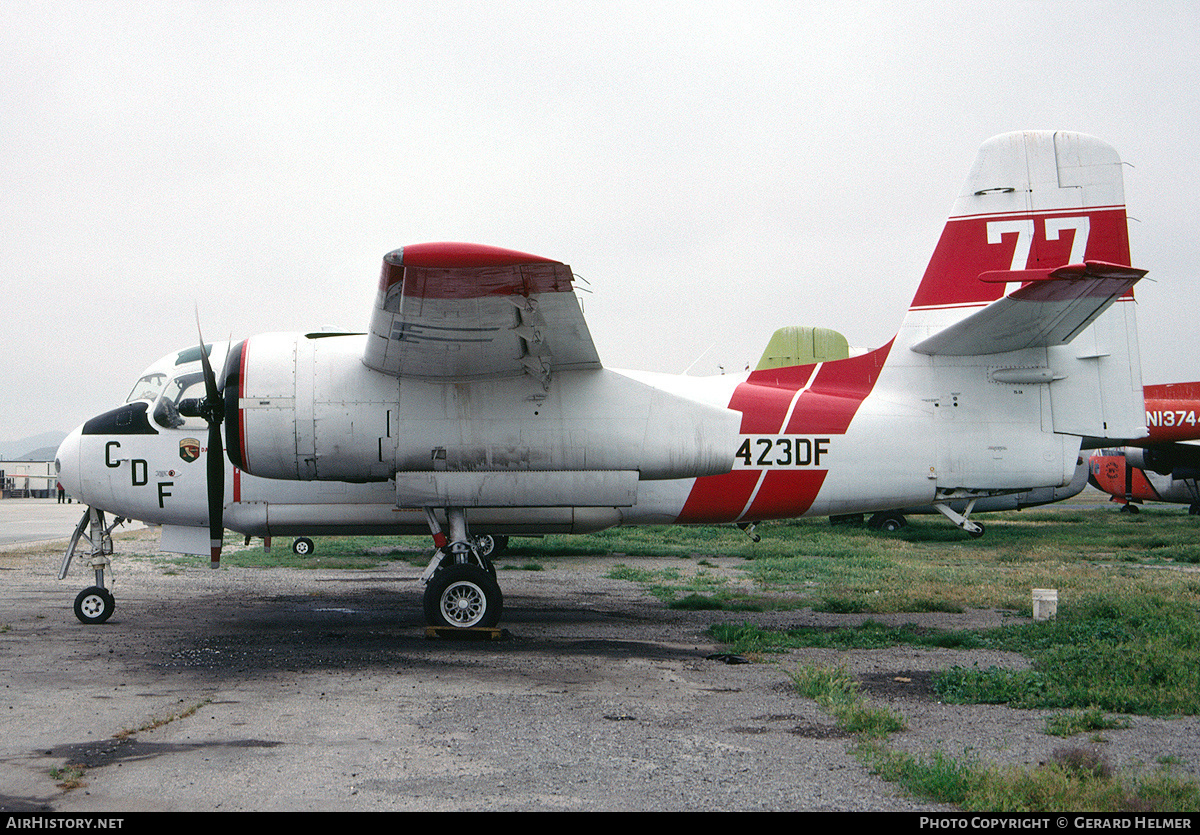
(315, 689)
(37, 520)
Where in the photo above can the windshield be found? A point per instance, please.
(147, 388)
(177, 377)
(185, 386)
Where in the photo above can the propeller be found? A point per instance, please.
(212, 409)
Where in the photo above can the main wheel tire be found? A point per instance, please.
(303, 546)
(463, 596)
(888, 522)
(94, 605)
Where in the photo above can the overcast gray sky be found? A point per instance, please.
(713, 170)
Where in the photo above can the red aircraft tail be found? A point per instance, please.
(1035, 251)
(1034, 201)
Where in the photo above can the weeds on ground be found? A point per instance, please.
(1078, 778)
(68, 776)
(837, 694)
(1126, 653)
(1084, 721)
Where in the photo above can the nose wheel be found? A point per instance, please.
(94, 605)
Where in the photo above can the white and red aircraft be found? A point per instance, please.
(477, 396)
(1164, 466)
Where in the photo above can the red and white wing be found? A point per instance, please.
(467, 312)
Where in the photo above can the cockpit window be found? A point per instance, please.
(147, 388)
(190, 355)
(180, 388)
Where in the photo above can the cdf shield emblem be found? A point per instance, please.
(189, 449)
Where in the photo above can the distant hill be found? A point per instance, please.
(34, 448)
(45, 453)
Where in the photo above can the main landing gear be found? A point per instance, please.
(961, 520)
(461, 589)
(95, 604)
(889, 521)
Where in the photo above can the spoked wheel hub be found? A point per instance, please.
(463, 603)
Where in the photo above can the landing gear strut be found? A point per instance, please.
(95, 604)
(461, 589)
(961, 520)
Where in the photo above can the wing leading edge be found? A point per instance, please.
(465, 311)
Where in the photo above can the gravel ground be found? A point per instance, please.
(320, 690)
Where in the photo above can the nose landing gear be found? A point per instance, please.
(95, 604)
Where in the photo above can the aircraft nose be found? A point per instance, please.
(66, 464)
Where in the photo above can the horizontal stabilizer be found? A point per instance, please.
(1050, 308)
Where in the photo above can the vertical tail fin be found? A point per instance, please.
(1033, 201)
(1031, 277)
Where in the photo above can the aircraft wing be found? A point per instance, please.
(1050, 308)
(464, 311)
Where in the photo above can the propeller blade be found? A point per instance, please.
(213, 411)
(216, 493)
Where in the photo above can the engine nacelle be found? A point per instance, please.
(1147, 459)
(308, 408)
(1177, 460)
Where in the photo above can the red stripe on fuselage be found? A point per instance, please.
(241, 414)
(785, 493)
(822, 399)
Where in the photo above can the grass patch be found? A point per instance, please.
(1076, 780)
(748, 638)
(1136, 654)
(1124, 653)
(686, 589)
(68, 777)
(837, 694)
(932, 566)
(1092, 719)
